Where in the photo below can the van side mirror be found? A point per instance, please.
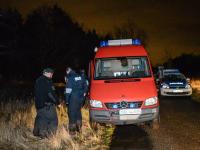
(157, 80)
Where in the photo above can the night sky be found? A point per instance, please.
(172, 26)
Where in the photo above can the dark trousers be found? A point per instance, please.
(46, 121)
(74, 110)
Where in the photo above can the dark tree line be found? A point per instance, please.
(48, 37)
(186, 63)
(10, 30)
(130, 30)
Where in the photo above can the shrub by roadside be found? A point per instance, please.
(196, 95)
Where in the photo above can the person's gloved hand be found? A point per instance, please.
(59, 107)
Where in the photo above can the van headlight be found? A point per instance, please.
(96, 104)
(151, 101)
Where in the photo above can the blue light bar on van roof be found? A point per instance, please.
(137, 42)
(103, 43)
(120, 42)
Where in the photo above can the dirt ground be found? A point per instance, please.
(179, 129)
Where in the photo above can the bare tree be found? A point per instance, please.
(130, 30)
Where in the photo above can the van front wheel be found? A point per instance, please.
(154, 124)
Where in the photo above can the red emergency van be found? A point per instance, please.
(122, 88)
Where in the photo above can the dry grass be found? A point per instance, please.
(16, 125)
(195, 84)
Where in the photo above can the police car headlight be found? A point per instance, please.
(96, 104)
(165, 86)
(188, 86)
(151, 101)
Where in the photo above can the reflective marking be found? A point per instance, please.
(87, 82)
(176, 83)
(77, 78)
(66, 79)
(68, 90)
(53, 88)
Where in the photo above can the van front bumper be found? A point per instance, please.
(113, 116)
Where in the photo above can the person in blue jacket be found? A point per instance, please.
(75, 91)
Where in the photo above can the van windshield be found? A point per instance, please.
(122, 67)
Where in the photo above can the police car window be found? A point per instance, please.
(174, 77)
(122, 67)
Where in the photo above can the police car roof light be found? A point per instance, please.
(120, 42)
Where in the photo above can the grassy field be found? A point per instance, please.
(17, 114)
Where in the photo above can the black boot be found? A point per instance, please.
(72, 129)
(78, 126)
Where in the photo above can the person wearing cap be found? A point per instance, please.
(46, 120)
(75, 91)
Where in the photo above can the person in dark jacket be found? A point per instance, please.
(76, 88)
(84, 76)
(46, 120)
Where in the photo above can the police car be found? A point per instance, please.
(174, 83)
